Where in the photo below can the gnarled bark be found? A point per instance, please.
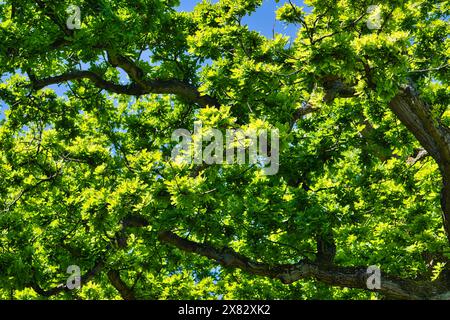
(125, 292)
(156, 86)
(415, 114)
(350, 277)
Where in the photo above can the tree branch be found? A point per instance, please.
(98, 81)
(139, 87)
(63, 287)
(125, 292)
(130, 221)
(351, 277)
(416, 115)
(171, 86)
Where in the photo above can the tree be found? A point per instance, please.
(361, 103)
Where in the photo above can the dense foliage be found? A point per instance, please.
(86, 176)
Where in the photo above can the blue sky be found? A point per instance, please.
(263, 20)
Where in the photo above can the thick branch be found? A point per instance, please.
(171, 86)
(132, 89)
(63, 287)
(351, 277)
(140, 84)
(416, 115)
(125, 292)
(434, 137)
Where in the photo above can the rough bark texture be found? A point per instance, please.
(350, 277)
(125, 292)
(432, 135)
(157, 86)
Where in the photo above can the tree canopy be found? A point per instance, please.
(87, 178)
